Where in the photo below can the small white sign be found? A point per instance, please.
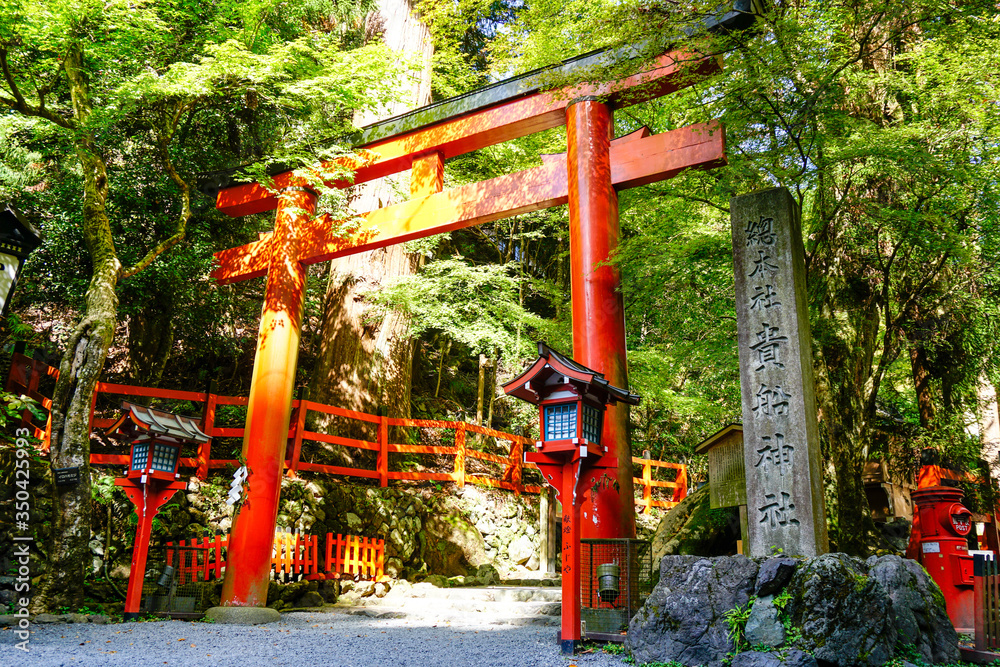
(8, 272)
(931, 547)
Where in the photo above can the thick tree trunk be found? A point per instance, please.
(79, 371)
(844, 394)
(365, 359)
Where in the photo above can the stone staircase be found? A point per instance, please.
(467, 606)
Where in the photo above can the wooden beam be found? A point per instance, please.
(456, 136)
(634, 161)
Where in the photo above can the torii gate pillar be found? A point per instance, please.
(269, 407)
(598, 309)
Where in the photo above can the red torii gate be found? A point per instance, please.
(586, 177)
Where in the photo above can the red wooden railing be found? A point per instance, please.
(26, 373)
(294, 557)
(678, 485)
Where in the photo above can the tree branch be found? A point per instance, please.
(18, 103)
(162, 141)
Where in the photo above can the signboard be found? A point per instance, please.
(67, 476)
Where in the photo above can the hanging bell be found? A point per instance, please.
(607, 582)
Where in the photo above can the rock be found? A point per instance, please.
(917, 607)
(76, 618)
(451, 545)
(792, 658)
(381, 589)
(311, 599)
(521, 550)
(393, 567)
(459, 580)
(436, 580)
(96, 547)
(682, 620)
(291, 592)
(694, 528)
(774, 575)
(8, 620)
(99, 619)
(49, 618)
(533, 562)
(763, 626)
(487, 574)
(843, 615)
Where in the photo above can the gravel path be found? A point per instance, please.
(309, 639)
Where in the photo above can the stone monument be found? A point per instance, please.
(780, 436)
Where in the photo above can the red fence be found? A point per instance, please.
(25, 376)
(293, 557)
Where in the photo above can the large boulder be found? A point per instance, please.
(918, 608)
(833, 611)
(843, 615)
(683, 620)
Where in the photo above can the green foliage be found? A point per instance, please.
(736, 620)
(11, 408)
(793, 634)
(614, 648)
(475, 305)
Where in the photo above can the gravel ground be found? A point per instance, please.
(311, 639)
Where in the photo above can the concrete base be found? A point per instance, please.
(242, 615)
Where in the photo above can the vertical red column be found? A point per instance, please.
(269, 407)
(140, 549)
(598, 311)
(569, 635)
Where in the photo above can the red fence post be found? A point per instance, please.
(680, 491)
(647, 485)
(383, 449)
(460, 455)
(207, 425)
(517, 460)
(300, 427)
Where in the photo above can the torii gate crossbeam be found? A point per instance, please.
(586, 178)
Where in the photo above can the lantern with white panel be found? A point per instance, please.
(571, 400)
(18, 238)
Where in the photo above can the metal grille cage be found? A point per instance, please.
(616, 579)
(164, 593)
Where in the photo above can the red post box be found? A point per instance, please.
(939, 542)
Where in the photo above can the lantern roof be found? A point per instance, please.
(553, 368)
(139, 420)
(18, 237)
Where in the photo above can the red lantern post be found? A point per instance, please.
(151, 478)
(572, 401)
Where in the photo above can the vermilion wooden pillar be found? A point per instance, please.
(269, 407)
(598, 310)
